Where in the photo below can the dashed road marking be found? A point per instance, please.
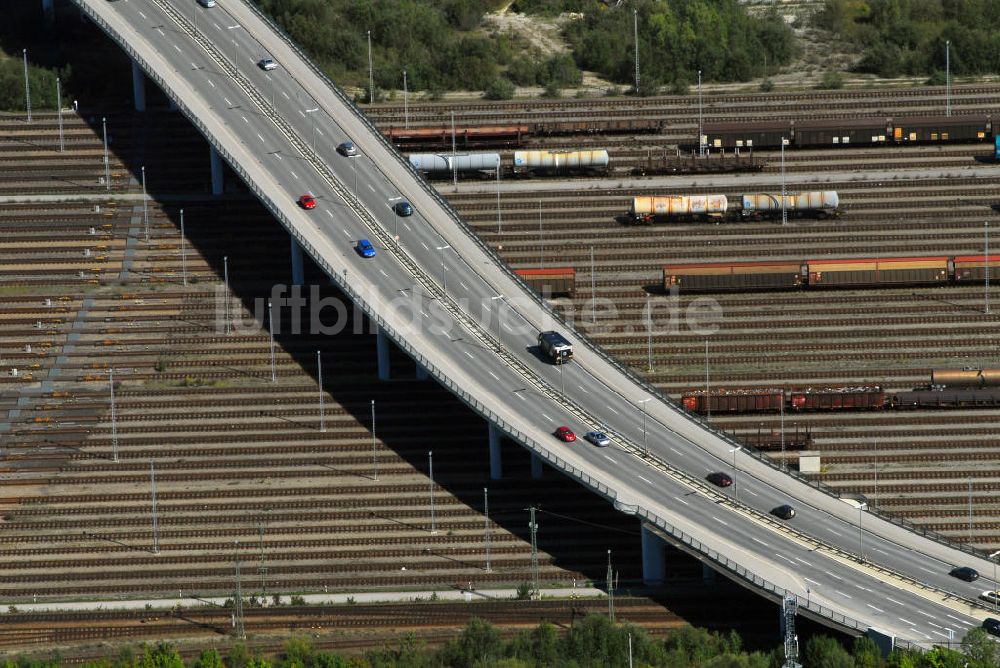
(610, 460)
(925, 614)
(178, 48)
(546, 417)
(613, 410)
(835, 533)
(843, 594)
(907, 621)
(464, 286)
(425, 246)
(260, 138)
(244, 119)
(142, 15)
(803, 561)
(878, 610)
(382, 271)
(294, 175)
(682, 501)
(286, 95)
(722, 522)
(892, 600)
(676, 450)
(495, 377)
(750, 492)
(228, 103)
(468, 354)
(812, 581)
(758, 540)
(210, 83)
(646, 480)
(834, 575)
(781, 556)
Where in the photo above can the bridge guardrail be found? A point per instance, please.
(359, 299)
(625, 370)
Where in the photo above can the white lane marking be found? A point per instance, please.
(160, 31)
(722, 522)
(141, 14)
(508, 327)
(907, 621)
(319, 132)
(583, 389)
(646, 480)
(210, 83)
(834, 575)
(425, 246)
(301, 113)
(935, 626)
(960, 621)
(758, 540)
(803, 561)
(245, 119)
(278, 156)
(294, 175)
(835, 533)
(406, 225)
(546, 416)
(427, 315)
(893, 600)
(194, 66)
(467, 353)
(464, 286)
(613, 410)
(880, 551)
(939, 633)
(750, 492)
(371, 187)
(286, 95)
(217, 27)
(178, 48)
(925, 614)
(228, 103)
(842, 593)
(927, 570)
(879, 610)
(382, 271)
(781, 556)
(262, 141)
(676, 450)
(862, 587)
(811, 580)
(610, 460)
(347, 234)
(681, 500)
(519, 395)
(495, 377)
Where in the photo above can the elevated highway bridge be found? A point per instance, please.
(450, 303)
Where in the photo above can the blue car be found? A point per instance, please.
(365, 248)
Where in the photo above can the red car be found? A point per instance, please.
(565, 434)
(307, 201)
(719, 478)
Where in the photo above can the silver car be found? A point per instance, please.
(267, 64)
(347, 149)
(207, 3)
(600, 439)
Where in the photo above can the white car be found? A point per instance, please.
(207, 3)
(267, 64)
(991, 596)
(600, 439)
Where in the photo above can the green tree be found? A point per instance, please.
(209, 658)
(980, 648)
(162, 655)
(825, 652)
(478, 642)
(831, 81)
(499, 89)
(866, 653)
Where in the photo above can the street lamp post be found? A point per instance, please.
(62, 145)
(374, 456)
(701, 143)
(635, 36)
(145, 204)
(645, 444)
(499, 302)
(993, 557)
(499, 220)
(319, 373)
(107, 166)
(947, 77)
(184, 273)
(784, 209)
(406, 105)
(312, 146)
(986, 261)
(736, 491)
(270, 327)
(27, 86)
(236, 51)
(444, 269)
(371, 72)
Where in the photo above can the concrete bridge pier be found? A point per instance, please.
(496, 463)
(707, 574)
(298, 272)
(421, 373)
(138, 87)
(216, 161)
(653, 557)
(49, 10)
(382, 351)
(536, 467)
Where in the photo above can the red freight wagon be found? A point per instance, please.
(973, 268)
(550, 282)
(835, 399)
(733, 402)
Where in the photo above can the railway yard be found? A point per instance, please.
(246, 466)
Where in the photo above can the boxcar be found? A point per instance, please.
(878, 271)
(971, 127)
(550, 282)
(973, 268)
(866, 398)
(759, 134)
(712, 276)
(947, 398)
(746, 401)
(842, 132)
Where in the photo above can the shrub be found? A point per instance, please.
(499, 89)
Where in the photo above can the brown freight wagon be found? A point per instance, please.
(735, 402)
(973, 268)
(550, 282)
(878, 271)
(745, 136)
(715, 276)
(970, 127)
(837, 399)
(841, 132)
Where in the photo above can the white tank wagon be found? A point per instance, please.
(824, 202)
(438, 164)
(673, 207)
(569, 162)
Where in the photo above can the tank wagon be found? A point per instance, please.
(872, 131)
(833, 273)
(435, 164)
(648, 209)
(823, 203)
(966, 377)
(557, 281)
(529, 163)
(838, 399)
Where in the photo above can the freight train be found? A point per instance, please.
(823, 273)
(523, 163)
(838, 399)
(716, 207)
(872, 131)
(511, 136)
